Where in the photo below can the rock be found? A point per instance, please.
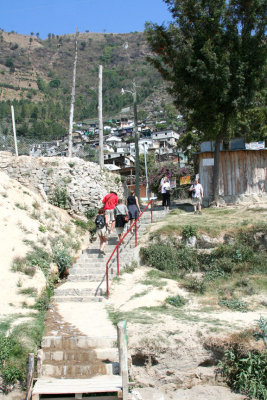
(150, 394)
(191, 241)
(206, 242)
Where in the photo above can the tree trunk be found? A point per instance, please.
(73, 96)
(216, 170)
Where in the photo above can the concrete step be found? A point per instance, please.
(71, 299)
(107, 354)
(79, 292)
(78, 342)
(92, 271)
(98, 266)
(77, 371)
(85, 277)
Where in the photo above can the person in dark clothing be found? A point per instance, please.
(133, 206)
(165, 192)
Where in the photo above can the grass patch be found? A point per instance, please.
(140, 294)
(212, 221)
(234, 304)
(176, 301)
(32, 292)
(153, 282)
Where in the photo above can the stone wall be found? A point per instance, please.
(85, 182)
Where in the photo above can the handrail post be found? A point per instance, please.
(123, 357)
(107, 280)
(30, 376)
(151, 211)
(135, 234)
(118, 262)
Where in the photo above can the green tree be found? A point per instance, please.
(213, 55)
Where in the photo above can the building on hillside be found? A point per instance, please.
(243, 174)
(113, 140)
(168, 136)
(141, 143)
(120, 160)
(48, 149)
(123, 148)
(108, 148)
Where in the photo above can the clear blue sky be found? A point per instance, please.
(62, 16)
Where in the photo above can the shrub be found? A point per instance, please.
(160, 256)
(90, 213)
(39, 257)
(167, 257)
(189, 231)
(62, 258)
(194, 284)
(246, 373)
(12, 373)
(176, 301)
(10, 353)
(234, 304)
(262, 333)
(225, 265)
(237, 252)
(59, 197)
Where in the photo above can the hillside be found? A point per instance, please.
(38, 74)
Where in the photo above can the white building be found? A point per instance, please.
(148, 143)
(169, 136)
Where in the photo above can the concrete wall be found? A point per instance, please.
(86, 184)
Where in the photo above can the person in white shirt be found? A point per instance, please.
(197, 196)
(165, 189)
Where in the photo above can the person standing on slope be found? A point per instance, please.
(197, 195)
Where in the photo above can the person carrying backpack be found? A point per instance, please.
(101, 229)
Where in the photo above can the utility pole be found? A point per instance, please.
(136, 141)
(146, 172)
(14, 130)
(100, 117)
(73, 96)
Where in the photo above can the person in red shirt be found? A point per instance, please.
(110, 201)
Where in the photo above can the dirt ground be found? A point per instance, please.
(174, 352)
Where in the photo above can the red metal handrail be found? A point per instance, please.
(118, 244)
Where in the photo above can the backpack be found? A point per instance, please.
(100, 221)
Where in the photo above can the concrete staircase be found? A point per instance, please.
(79, 357)
(68, 353)
(89, 271)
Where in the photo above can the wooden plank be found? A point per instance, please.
(100, 384)
(85, 397)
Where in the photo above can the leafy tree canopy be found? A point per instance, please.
(213, 54)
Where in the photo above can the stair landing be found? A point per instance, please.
(98, 384)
